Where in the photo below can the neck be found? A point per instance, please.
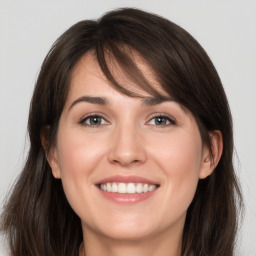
(161, 245)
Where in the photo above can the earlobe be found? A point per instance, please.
(211, 156)
(50, 153)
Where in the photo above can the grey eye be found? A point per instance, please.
(93, 121)
(161, 121)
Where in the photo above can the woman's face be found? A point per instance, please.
(129, 166)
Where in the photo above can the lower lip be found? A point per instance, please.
(127, 198)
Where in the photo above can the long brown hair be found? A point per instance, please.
(37, 218)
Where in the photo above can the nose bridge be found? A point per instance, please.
(127, 147)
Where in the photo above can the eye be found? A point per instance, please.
(93, 120)
(161, 120)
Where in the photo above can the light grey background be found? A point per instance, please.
(226, 29)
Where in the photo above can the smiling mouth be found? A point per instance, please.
(127, 188)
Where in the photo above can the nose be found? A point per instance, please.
(127, 147)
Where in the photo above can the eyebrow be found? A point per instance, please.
(151, 101)
(90, 99)
(148, 101)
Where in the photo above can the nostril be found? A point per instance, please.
(126, 162)
(124, 152)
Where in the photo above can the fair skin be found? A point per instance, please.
(108, 135)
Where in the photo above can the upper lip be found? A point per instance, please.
(126, 179)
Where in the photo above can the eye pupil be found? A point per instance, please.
(94, 120)
(160, 120)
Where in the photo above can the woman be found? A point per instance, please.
(131, 147)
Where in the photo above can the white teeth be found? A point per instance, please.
(151, 187)
(103, 187)
(109, 187)
(131, 189)
(121, 188)
(139, 188)
(114, 187)
(145, 188)
(127, 188)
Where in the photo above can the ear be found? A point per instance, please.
(50, 153)
(211, 156)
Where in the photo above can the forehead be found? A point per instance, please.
(88, 73)
(88, 81)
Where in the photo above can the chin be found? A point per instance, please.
(129, 234)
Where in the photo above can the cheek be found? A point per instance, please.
(77, 154)
(78, 158)
(179, 158)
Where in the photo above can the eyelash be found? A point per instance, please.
(167, 118)
(90, 117)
